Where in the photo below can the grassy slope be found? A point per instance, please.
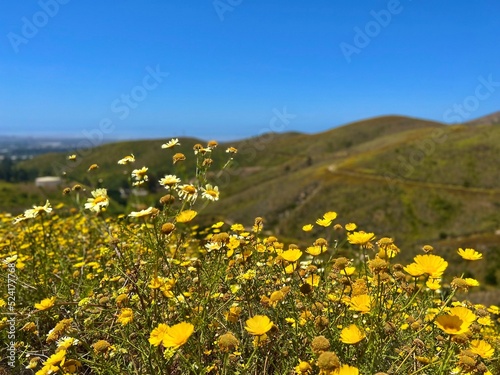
(371, 172)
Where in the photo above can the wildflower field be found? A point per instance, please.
(154, 291)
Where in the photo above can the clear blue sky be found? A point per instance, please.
(71, 66)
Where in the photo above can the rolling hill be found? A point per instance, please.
(419, 181)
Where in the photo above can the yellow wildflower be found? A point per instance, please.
(126, 316)
(360, 238)
(45, 304)
(431, 264)
(258, 325)
(186, 216)
(469, 254)
(291, 255)
(482, 348)
(351, 335)
(362, 303)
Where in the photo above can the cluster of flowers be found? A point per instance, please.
(164, 295)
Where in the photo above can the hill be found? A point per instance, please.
(491, 119)
(426, 181)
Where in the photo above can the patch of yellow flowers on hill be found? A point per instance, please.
(159, 291)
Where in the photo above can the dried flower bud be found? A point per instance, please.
(167, 228)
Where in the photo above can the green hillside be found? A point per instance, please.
(426, 181)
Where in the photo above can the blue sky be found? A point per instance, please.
(228, 69)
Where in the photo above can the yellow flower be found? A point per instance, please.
(291, 255)
(451, 324)
(350, 227)
(347, 370)
(330, 215)
(231, 150)
(471, 282)
(360, 238)
(126, 316)
(307, 227)
(66, 342)
(351, 335)
(237, 227)
(431, 264)
(348, 271)
(186, 216)
(99, 202)
(258, 325)
(45, 304)
(466, 315)
(316, 250)
(33, 363)
(127, 159)
(414, 270)
(469, 254)
(92, 167)
(72, 157)
(482, 348)
(433, 284)
(312, 280)
(233, 314)
(171, 337)
(303, 368)
(291, 268)
(494, 309)
(485, 321)
(178, 335)
(158, 334)
(323, 222)
(362, 303)
(56, 358)
(71, 366)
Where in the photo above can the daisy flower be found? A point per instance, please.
(210, 193)
(172, 143)
(99, 201)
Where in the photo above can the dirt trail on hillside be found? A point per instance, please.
(391, 181)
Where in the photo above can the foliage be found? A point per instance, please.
(153, 292)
